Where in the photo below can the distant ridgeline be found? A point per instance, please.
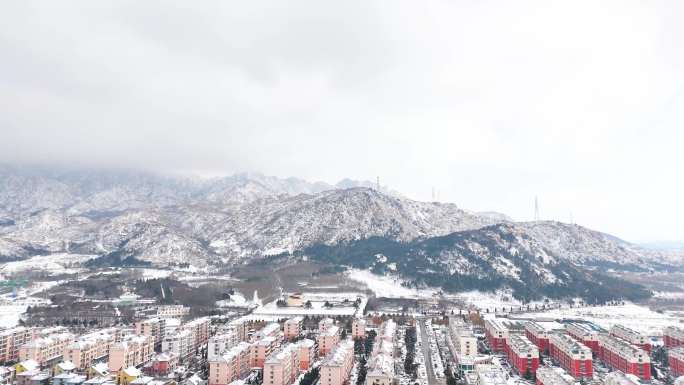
(485, 260)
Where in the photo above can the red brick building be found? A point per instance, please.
(538, 335)
(571, 355)
(632, 336)
(676, 359)
(620, 355)
(496, 334)
(673, 337)
(522, 354)
(585, 333)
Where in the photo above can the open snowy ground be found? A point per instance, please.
(388, 286)
(55, 263)
(634, 316)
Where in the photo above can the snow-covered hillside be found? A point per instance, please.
(182, 220)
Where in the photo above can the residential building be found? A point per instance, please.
(462, 341)
(293, 328)
(336, 366)
(163, 364)
(282, 367)
(585, 333)
(154, 327)
(631, 336)
(172, 311)
(553, 376)
(132, 351)
(675, 357)
(126, 376)
(538, 335)
(571, 355)
(496, 333)
(46, 350)
(181, 344)
(522, 354)
(222, 342)
(261, 350)
(230, 366)
(623, 356)
(381, 362)
(307, 353)
(358, 328)
(325, 323)
(90, 348)
(10, 341)
(327, 339)
(673, 337)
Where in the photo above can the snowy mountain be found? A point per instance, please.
(501, 256)
(165, 220)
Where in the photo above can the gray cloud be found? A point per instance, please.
(490, 102)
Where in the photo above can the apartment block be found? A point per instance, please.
(358, 328)
(623, 356)
(336, 367)
(261, 350)
(571, 355)
(307, 353)
(231, 366)
(222, 342)
(10, 341)
(675, 357)
(632, 336)
(522, 354)
(381, 362)
(293, 327)
(172, 311)
(673, 337)
(496, 333)
(538, 335)
(462, 341)
(585, 333)
(325, 323)
(132, 351)
(181, 343)
(46, 350)
(282, 367)
(154, 327)
(91, 348)
(327, 339)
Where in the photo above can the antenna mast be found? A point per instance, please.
(378, 183)
(536, 209)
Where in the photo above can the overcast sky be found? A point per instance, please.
(491, 102)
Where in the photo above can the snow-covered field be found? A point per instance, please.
(55, 263)
(634, 316)
(387, 286)
(317, 306)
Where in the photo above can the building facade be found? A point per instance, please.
(675, 358)
(584, 333)
(625, 357)
(673, 337)
(571, 355)
(522, 354)
(631, 336)
(538, 335)
(496, 334)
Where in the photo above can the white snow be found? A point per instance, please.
(387, 286)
